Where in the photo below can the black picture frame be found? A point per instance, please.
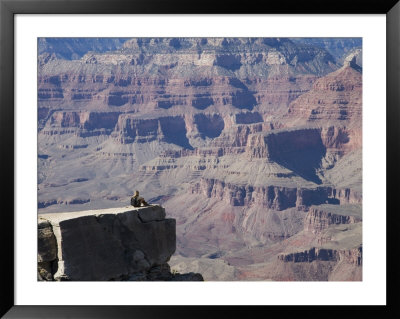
(8, 8)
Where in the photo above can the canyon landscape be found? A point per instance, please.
(251, 147)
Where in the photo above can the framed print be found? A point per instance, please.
(168, 159)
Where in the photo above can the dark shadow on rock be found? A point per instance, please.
(175, 43)
(228, 61)
(202, 101)
(333, 201)
(210, 125)
(243, 98)
(235, 82)
(174, 131)
(301, 151)
(165, 104)
(117, 99)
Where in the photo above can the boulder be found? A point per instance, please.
(109, 244)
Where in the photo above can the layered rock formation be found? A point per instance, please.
(330, 97)
(334, 103)
(274, 197)
(111, 244)
(352, 256)
(244, 140)
(328, 248)
(318, 219)
(334, 262)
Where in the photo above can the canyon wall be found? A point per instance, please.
(318, 219)
(254, 145)
(335, 252)
(274, 197)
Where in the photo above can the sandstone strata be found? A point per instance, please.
(319, 219)
(335, 251)
(274, 197)
(353, 256)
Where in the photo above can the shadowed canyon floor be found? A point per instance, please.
(253, 145)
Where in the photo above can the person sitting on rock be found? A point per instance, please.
(137, 201)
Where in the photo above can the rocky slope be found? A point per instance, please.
(239, 138)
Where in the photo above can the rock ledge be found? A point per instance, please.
(124, 243)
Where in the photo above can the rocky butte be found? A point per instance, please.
(253, 145)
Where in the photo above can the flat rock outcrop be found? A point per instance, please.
(112, 244)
